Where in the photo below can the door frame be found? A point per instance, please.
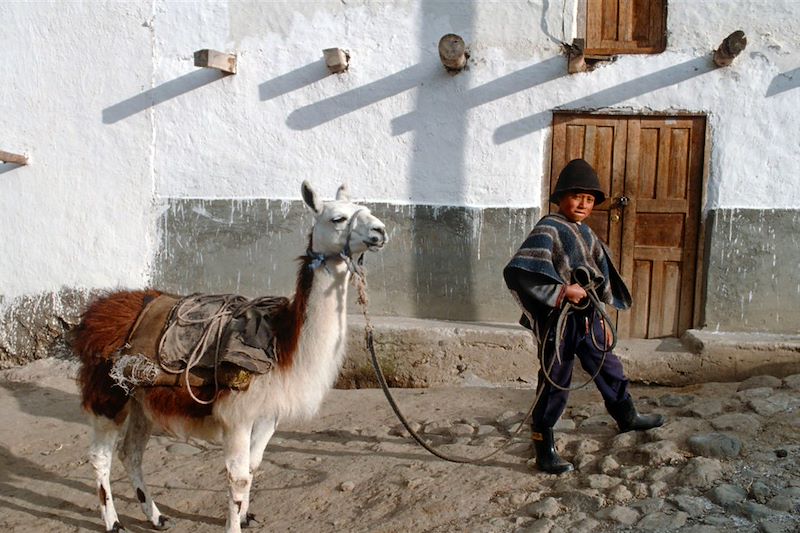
(701, 253)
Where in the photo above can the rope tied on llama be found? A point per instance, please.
(221, 339)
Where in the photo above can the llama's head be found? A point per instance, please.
(342, 226)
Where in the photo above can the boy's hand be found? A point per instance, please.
(575, 293)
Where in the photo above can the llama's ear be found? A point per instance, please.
(310, 197)
(341, 193)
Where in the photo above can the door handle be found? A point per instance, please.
(621, 202)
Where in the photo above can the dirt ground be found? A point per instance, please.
(351, 469)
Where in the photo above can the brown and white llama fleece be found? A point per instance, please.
(310, 333)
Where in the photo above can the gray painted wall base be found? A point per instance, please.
(33, 327)
(441, 262)
(446, 262)
(753, 270)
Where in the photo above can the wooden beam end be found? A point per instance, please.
(453, 52)
(336, 59)
(223, 61)
(16, 159)
(731, 46)
(576, 60)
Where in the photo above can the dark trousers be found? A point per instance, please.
(576, 341)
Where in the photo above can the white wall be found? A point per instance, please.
(116, 118)
(80, 215)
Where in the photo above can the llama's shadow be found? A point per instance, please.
(27, 487)
(17, 475)
(46, 402)
(19, 478)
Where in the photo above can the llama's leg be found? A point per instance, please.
(101, 455)
(263, 429)
(237, 464)
(131, 451)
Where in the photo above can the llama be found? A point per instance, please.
(310, 334)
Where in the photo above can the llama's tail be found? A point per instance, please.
(103, 330)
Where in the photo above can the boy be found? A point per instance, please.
(541, 278)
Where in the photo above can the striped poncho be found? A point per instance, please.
(556, 247)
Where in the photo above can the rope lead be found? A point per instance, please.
(361, 285)
(589, 285)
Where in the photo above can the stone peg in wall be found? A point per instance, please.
(336, 59)
(212, 59)
(453, 52)
(731, 47)
(16, 159)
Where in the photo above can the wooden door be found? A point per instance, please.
(655, 164)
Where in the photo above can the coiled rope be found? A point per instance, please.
(212, 335)
(583, 277)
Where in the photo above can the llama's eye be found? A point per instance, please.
(338, 220)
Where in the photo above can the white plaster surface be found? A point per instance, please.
(80, 214)
(106, 100)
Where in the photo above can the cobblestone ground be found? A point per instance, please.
(728, 459)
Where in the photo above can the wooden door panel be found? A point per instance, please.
(654, 253)
(663, 230)
(574, 148)
(668, 205)
(664, 286)
(670, 293)
(663, 217)
(640, 292)
(647, 162)
(678, 176)
(657, 163)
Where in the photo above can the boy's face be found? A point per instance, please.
(575, 205)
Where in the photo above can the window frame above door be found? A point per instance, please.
(590, 22)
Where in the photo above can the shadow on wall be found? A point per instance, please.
(412, 77)
(293, 81)
(609, 96)
(334, 107)
(783, 82)
(8, 167)
(521, 80)
(162, 93)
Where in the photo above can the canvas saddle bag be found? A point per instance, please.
(222, 338)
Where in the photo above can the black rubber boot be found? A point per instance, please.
(628, 419)
(547, 458)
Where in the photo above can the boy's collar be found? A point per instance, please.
(559, 215)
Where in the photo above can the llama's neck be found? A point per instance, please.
(326, 307)
(322, 333)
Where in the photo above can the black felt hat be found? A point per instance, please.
(578, 175)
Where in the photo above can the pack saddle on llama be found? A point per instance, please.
(219, 367)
